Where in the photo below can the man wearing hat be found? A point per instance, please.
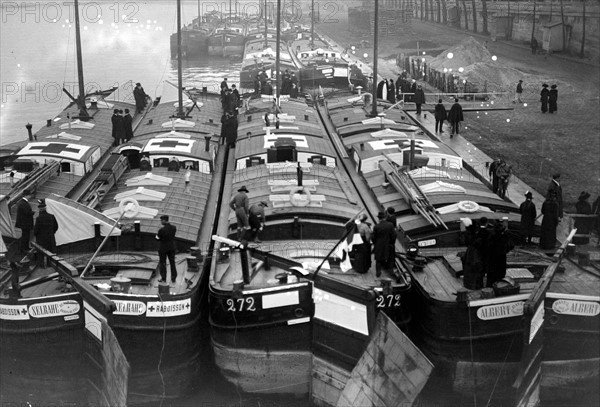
(384, 240)
(128, 126)
(544, 95)
(116, 123)
(555, 188)
(140, 97)
(45, 228)
(500, 245)
(239, 204)
(583, 207)
(553, 99)
(256, 219)
(528, 215)
(166, 249)
(25, 220)
(362, 260)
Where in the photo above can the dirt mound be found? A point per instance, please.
(468, 52)
(421, 44)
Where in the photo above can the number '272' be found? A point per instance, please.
(390, 300)
(240, 304)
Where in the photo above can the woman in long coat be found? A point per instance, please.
(544, 95)
(549, 222)
(528, 215)
(552, 99)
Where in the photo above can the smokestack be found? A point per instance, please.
(29, 126)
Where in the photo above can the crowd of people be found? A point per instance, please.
(289, 84)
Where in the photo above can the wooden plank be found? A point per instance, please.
(392, 371)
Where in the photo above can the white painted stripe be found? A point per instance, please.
(298, 321)
(573, 297)
(48, 297)
(271, 289)
(280, 299)
(500, 300)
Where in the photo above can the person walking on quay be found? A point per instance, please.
(455, 117)
(528, 215)
(550, 210)
(552, 99)
(166, 249)
(256, 219)
(419, 98)
(128, 126)
(556, 188)
(362, 260)
(503, 173)
(25, 220)
(544, 97)
(45, 228)
(519, 92)
(440, 116)
(140, 97)
(492, 173)
(384, 240)
(239, 203)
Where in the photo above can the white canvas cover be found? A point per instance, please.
(76, 221)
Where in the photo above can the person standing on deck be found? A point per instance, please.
(440, 116)
(550, 210)
(362, 258)
(128, 125)
(500, 245)
(596, 211)
(45, 228)
(583, 207)
(256, 82)
(519, 92)
(120, 127)
(413, 90)
(419, 98)
(256, 219)
(557, 189)
(229, 129)
(492, 173)
(25, 220)
(268, 88)
(114, 119)
(528, 215)
(140, 97)
(384, 240)
(224, 84)
(294, 91)
(473, 265)
(455, 117)
(166, 249)
(235, 100)
(239, 203)
(262, 77)
(544, 97)
(392, 92)
(553, 99)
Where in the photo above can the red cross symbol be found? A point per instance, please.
(55, 148)
(169, 144)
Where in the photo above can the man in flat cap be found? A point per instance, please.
(256, 219)
(384, 240)
(166, 249)
(239, 203)
(25, 220)
(45, 228)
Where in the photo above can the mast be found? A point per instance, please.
(180, 113)
(266, 24)
(229, 12)
(81, 98)
(375, 35)
(278, 53)
(199, 14)
(312, 25)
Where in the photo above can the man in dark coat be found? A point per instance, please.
(519, 92)
(140, 97)
(25, 220)
(262, 77)
(120, 123)
(294, 79)
(224, 84)
(268, 89)
(45, 228)
(500, 245)
(115, 119)
(256, 219)
(384, 240)
(473, 267)
(391, 92)
(550, 210)
(583, 207)
(440, 116)
(166, 249)
(239, 203)
(380, 87)
(235, 99)
(544, 96)
(596, 211)
(286, 82)
(362, 252)
(528, 215)
(294, 91)
(492, 172)
(455, 117)
(128, 125)
(229, 129)
(555, 187)
(256, 82)
(419, 98)
(552, 99)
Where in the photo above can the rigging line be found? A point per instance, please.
(162, 379)
(472, 360)
(501, 368)
(67, 56)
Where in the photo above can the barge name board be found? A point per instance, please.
(135, 308)
(53, 309)
(581, 308)
(499, 311)
(168, 308)
(13, 312)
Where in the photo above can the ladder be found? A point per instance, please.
(407, 187)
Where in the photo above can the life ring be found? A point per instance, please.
(295, 199)
(127, 210)
(468, 206)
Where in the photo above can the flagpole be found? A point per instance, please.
(348, 231)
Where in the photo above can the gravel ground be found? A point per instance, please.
(536, 144)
